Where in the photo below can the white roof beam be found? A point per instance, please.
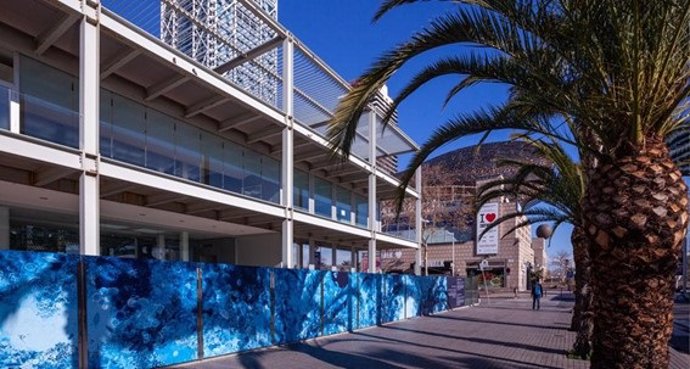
(118, 61)
(264, 134)
(296, 146)
(115, 189)
(205, 105)
(201, 208)
(162, 199)
(312, 156)
(50, 175)
(354, 178)
(346, 171)
(52, 34)
(163, 87)
(324, 164)
(238, 121)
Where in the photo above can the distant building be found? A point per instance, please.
(449, 192)
(541, 259)
(217, 33)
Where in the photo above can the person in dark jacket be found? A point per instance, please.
(537, 292)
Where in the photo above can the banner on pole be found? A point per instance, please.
(488, 244)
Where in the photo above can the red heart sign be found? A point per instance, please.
(490, 217)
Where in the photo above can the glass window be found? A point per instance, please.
(43, 232)
(270, 179)
(343, 204)
(212, 161)
(187, 151)
(49, 103)
(4, 107)
(362, 209)
(106, 125)
(326, 257)
(160, 142)
(252, 174)
(301, 190)
(322, 197)
(129, 131)
(233, 171)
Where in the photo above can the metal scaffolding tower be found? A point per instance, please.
(218, 33)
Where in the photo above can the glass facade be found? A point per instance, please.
(35, 236)
(4, 107)
(135, 134)
(343, 204)
(49, 103)
(361, 211)
(132, 133)
(322, 197)
(301, 190)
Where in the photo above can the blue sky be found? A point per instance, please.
(342, 34)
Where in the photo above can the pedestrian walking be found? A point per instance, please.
(537, 292)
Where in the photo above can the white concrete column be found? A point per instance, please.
(353, 257)
(287, 180)
(287, 162)
(89, 87)
(372, 191)
(184, 246)
(4, 228)
(89, 215)
(418, 222)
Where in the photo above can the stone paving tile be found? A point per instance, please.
(505, 334)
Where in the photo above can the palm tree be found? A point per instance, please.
(616, 70)
(552, 193)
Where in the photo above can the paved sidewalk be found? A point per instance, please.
(505, 334)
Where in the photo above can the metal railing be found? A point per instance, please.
(242, 41)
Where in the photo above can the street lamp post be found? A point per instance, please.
(452, 264)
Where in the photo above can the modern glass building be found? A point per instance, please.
(117, 140)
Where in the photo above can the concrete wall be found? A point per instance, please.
(261, 250)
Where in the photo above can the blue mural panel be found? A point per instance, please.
(369, 299)
(393, 298)
(338, 302)
(38, 310)
(413, 296)
(140, 313)
(297, 304)
(426, 287)
(440, 294)
(236, 308)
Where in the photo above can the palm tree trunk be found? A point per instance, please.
(636, 218)
(583, 315)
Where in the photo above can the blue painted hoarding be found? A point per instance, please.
(38, 310)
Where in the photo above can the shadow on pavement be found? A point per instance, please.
(480, 362)
(347, 360)
(480, 340)
(462, 352)
(497, 322)
(491, 306)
